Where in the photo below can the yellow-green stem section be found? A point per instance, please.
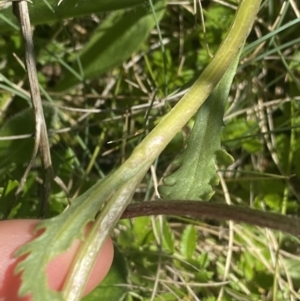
(162, 134)
(88, 252)
(133, 170)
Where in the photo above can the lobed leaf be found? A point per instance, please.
(194, 171)
(59, 233)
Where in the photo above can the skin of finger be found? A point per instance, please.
(14, 233)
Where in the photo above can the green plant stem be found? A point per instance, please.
(217, 211)
(94, 241)
(149, 149)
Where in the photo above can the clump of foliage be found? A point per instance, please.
(107, 79)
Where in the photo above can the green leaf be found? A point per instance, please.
(45, 11)
(194, 171)
(167, 236)
(135, 235)
(19, 150)
(253, 146)
(113, 42)
(7, 197)
(274, 201)
(141, 229)
(239, 128)
(113, 287)
(188, 241)
(59, 233)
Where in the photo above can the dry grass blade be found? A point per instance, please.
(20, 9)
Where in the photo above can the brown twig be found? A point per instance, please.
(217, 211)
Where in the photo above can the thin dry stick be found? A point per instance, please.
(20, 9)
(218, 211)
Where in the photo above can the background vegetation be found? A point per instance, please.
(104, 87)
